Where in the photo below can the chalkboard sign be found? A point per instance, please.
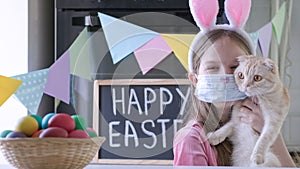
(138, 117)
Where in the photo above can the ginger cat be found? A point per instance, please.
(256, 77)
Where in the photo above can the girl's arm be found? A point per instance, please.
(280, 150)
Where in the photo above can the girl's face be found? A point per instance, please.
(220, 58)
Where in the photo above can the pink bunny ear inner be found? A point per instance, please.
(204, 12)
(237, 11)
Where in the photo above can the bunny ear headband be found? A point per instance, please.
(205, 13)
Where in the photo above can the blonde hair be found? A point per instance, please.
(204, 112)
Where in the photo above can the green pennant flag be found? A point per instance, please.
(79, 56)
(278, 22)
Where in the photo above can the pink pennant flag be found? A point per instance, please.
(58, 82)
(152, 53)
(264, 39)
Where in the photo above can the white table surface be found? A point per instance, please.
(97, 166)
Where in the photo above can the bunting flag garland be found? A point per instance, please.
(180, 44)
(122, 37)
(79, 56)
(7, 87)
(31, 91)
(264, 39)
(150, 48)
(58, 82)
(254, 37)
(152, 53)
(278, 22)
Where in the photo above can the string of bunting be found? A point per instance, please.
(149, 48)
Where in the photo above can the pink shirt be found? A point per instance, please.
(191, 147)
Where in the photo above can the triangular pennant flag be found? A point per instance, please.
(278, 22)
(31, 91)
(180, 44)
(7, 87)
(264, 39)
(79, 56)
(254, 37)
(58, 82)
(123, 37)
(152, 53)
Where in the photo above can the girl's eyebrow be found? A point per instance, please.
(210, 62)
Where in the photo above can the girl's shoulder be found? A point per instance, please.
(191, 132)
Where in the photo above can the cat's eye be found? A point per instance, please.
(257, 78)
(241, 75)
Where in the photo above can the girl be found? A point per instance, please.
(212, 61)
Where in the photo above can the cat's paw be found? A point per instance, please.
(257, 159)
(213, 139)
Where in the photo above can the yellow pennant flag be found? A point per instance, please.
(180, 45)
(7, 87)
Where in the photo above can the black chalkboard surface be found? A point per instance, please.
(138, 117)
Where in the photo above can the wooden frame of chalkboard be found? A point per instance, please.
(170, 93)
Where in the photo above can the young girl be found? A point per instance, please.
(212, 61)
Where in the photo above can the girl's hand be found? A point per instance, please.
(251, 114)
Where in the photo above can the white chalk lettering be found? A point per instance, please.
(146, 99)
(149, 133)
(115, 101)
(133, 100)
(128, 125)
(175, 124)
(162, 92)
(111, 134)
(163, 131)
(184, 98)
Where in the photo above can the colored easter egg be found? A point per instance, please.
(16, 134)
(46, 119)
(5, 133)
(62, 120)
(38, 133)
(80, 122)
(27, 125)
(38, 119)
(54, 132)
(78, 134)
(91, 132)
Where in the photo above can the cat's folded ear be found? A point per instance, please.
(243, 58)
(271, 66)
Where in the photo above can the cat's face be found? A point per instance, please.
(255, 75)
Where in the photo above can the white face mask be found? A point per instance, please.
(217, 88)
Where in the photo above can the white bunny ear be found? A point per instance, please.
(204, 12)
(237, 12)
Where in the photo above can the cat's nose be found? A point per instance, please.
(246, 85)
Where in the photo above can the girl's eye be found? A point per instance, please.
(257, 78)
(241, 75)
(212, 68)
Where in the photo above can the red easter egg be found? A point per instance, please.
(78, 134)
(54, 132)
(37, 134)
(62, 120)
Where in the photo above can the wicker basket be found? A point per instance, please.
(46, 153)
